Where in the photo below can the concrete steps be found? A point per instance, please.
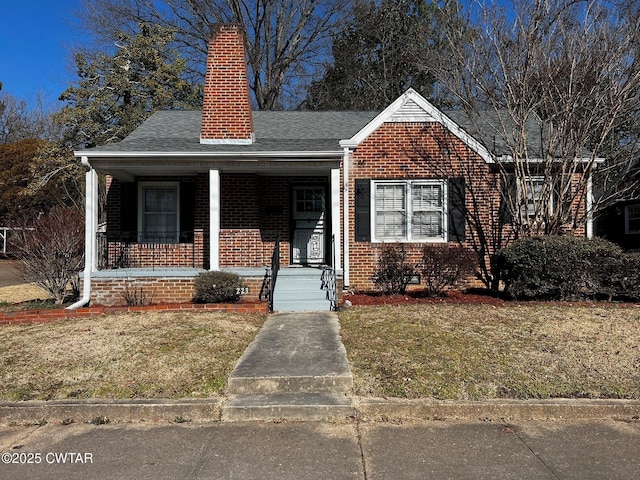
(295, 369)
(282, 406)
(298, 289)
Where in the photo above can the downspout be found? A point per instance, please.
(345, 219)
(90, 229)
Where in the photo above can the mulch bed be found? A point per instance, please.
(419, 296)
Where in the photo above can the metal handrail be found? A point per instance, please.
(329, 278)
(275, 268)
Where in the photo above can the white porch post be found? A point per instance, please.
(214, 219)
(345, 217)
(335, 216)
(91, 220)
(589, 226)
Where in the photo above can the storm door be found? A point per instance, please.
(309, 214)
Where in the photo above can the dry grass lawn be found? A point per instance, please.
(149, 355)
(471, 352)
(21, 293)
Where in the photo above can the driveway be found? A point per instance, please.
(9, 273)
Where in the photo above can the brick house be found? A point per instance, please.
(213, 190)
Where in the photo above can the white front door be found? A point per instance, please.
(309, 230)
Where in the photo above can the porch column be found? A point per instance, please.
(91, 220)
(345, 217)
(335, 217)
(589, 226)
(214, 219)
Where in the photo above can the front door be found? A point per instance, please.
(309, 225)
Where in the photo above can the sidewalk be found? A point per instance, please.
(312, 450)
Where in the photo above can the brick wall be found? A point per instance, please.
(226, 112)
(424, 151)
(412, 151)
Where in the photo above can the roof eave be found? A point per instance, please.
(226, 154)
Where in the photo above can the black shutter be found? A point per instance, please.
(129, 209)
(363, 211)
(508, 196)
(187, 208)
(457, 210)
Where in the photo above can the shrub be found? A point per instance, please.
(445, 266)
(619, 277)
(218, 287)
(393, 272)
(51, 251)
(558, 267)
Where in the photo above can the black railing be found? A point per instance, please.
(149, 249)
(270, 276)
(329, 278)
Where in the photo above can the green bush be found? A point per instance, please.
(560, 268)
(444, 266)
(218, 287)
(620, 277)
(393, 272)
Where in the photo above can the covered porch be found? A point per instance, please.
(162, 225)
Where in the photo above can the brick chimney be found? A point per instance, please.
(226, 112)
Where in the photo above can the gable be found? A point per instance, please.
(411, 107)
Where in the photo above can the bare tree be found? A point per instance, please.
(554, 87)
(286, 41)
(20, 121)
(51, 249)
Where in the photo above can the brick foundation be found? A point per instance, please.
(120, 292)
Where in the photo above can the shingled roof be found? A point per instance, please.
(175, 131)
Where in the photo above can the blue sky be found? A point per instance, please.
(36, 37)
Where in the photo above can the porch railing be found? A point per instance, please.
(150, 249)
(329, 278)
(271, 276)
(4, 234)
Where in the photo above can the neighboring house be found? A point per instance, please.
(213, 190)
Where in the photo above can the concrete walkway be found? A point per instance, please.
(296, 368)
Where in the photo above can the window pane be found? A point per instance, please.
(427, 216)
(390, 225)
(426, 224)
(390, 211)
(160, 211)
(633, 218)
(426, 197)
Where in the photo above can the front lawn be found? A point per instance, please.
(146, 355)
(471, 352)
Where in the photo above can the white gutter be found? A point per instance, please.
(90, 229)
(345, 219)
(285, 155)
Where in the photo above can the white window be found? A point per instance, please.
(632, 219)
(158, 218)
(411, 210)
(533, 188)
